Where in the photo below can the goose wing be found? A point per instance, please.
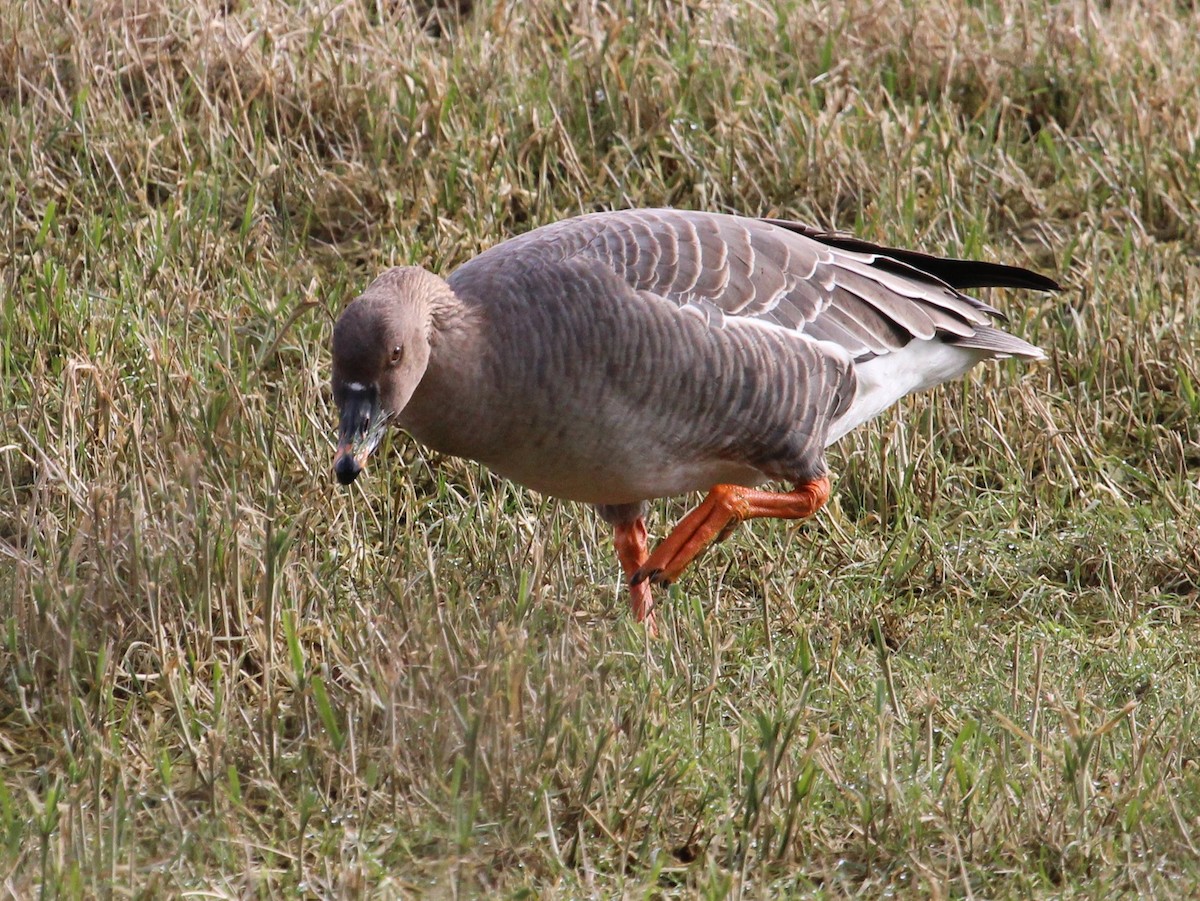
(870, 300)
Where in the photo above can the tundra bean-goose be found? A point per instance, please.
(619, 357)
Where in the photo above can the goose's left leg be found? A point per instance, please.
(717, 516)
(629, 539)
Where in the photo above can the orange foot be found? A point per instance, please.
(630, 541)
(717, 516)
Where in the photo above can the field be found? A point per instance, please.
(975, 674)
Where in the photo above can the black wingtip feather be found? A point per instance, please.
(965, 274)
(958, 274)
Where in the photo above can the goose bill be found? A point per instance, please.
(359, 433)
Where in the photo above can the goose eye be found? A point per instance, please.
(397, 354)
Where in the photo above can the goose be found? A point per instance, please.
(618, 357)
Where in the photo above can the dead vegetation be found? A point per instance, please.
(975, 675)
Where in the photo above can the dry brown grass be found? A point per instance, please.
(976, 675)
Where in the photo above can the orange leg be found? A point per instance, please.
(718, 514)
(630, 541)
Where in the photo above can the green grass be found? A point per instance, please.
(976, 674)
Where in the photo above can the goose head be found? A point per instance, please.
(381, 346)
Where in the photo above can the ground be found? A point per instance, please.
(975, 674)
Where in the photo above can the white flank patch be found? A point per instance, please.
(884, 380)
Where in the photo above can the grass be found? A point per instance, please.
(975, 675)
